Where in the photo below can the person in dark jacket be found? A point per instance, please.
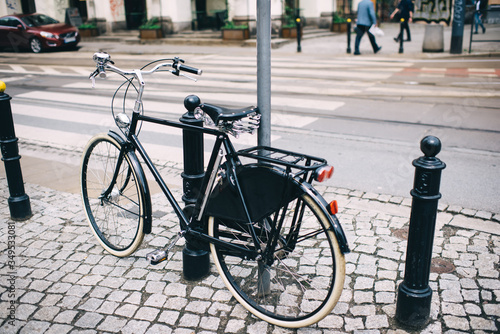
(405, 8)
(366, 18)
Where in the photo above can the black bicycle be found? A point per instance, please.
(275, 241)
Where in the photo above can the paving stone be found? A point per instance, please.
(169, 317)
(361, 297)
(385, 297)
(59, 329)
(34, 326)
(91, 305)
(89, 320)
(364, 283)
(46, 313)
(126, 310)
(376, 321)
(156, 300)
(107, 307)
(363, 310)
(453, 309)
(135, 327)
(159, 329)
(352, 324)
(189, 320)
(478, 323)
(24, 311)
(454, 322)
(112, 324)
(235, 325)
(210, 323)
(32, 297)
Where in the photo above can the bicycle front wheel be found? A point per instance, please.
(115, 211)
(301, 281)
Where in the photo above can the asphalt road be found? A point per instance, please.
(365, 115)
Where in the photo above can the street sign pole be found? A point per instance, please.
(264, 70)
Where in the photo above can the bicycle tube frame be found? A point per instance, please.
(222, 139)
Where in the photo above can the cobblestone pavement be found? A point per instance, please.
(58, 279)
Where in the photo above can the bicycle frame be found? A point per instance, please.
(133, 143)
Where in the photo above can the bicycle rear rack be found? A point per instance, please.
(282, 157)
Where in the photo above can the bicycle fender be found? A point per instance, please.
(141, 179)
(334, 221)
(265, 188)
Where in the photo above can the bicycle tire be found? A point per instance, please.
(116, 221)
(305, 284)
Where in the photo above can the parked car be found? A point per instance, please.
(36, 32)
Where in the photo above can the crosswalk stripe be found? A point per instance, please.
(105, 119)
(278, 103)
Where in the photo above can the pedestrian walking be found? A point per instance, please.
(366, 18)
(478, 16)
(405, 9)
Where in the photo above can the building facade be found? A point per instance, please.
(177, 15)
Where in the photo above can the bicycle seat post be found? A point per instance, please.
(196, 262)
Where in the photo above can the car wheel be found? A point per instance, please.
(35, 45)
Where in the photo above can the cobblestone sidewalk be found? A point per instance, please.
(59, 280)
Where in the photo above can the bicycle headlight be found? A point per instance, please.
(48, 35)
(122, 120)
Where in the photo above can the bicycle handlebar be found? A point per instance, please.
(104, 62)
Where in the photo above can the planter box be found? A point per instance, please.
(150, 33)
(339, 27)
(88, 32)
(235, 34)
(288, 32)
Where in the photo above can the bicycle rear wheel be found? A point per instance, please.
(305, 279)
(117, 218)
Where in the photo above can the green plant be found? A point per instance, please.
(338, 18)
(289, 18)
(87, 25)
(231, 25)
(151, 24)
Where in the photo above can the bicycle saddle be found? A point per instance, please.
(218, 114)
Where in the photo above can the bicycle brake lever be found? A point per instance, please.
(189, 77)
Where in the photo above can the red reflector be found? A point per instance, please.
(324, 173)
(333, 207)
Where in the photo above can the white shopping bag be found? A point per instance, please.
(374, 30)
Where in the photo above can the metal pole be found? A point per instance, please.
(401, 50)
(299, 33)
(19, 202)
(457, 30)
(348, 35)
(471, 31)
(414, 293)
(264, 70)
(196, 262)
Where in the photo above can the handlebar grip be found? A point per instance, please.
(189, 69)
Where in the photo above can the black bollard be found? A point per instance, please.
(19, 202)
(401, 28)
(299, 33)
(414, 294)
(196, 262)
(348, 35)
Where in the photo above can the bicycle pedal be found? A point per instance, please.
(157, 256)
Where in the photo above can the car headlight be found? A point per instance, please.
(48, 35)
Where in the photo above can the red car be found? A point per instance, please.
(36, 32)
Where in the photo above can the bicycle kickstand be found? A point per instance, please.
(161, 254)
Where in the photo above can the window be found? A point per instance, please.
(38, 20)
